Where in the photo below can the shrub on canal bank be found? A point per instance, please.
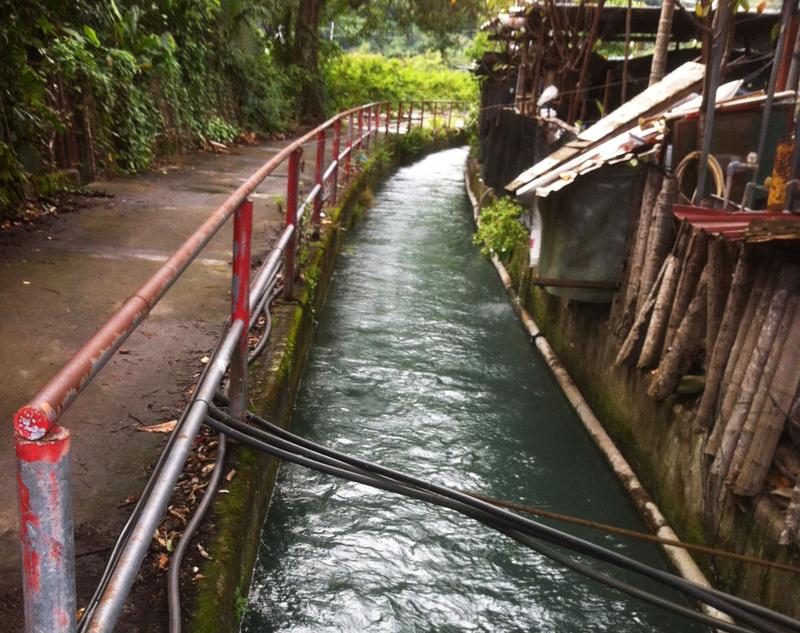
(500, 229)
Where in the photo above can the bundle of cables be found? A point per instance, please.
(262, 435)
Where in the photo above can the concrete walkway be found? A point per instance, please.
(61, 281)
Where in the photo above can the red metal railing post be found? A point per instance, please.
(337, 148)
(360, 128)
(377, 130)
(240, 305)
(399, 115)
(369, 127)
(410, 115)
(291, 218)
(388, 118)
(348, 160)
(319, 167)
(46, 535)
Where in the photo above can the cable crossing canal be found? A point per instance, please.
(420, 365)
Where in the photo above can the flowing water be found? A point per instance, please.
(420, 364)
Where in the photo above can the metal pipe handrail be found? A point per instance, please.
(42, 446)
(45, 408)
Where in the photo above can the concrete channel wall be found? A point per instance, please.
(239, 515)
(657, 440)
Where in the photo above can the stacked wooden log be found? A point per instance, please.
(705, 314)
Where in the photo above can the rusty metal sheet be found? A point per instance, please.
(753, 226)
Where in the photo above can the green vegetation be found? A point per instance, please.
(355, 78)
(500, 229)
(111, 86)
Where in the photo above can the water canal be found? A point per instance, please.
(419, 364)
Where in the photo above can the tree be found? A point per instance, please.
(659, 65)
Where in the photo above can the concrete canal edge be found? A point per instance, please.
(680, 559)
(220, 596)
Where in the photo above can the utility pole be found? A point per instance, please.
(659, 66)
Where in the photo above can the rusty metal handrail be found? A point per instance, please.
(43, 447)
(34, 419)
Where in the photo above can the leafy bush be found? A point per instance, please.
(500, 229)
(355, 78)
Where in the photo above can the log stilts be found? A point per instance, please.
(632, 286)
(659, 239)
(719, 284)
(690, 277)
(734, 309)
(651, 348)
(782, 392)
(630, 346)
(787, 320)
(688, 337)
(736, 354)
(744, 382)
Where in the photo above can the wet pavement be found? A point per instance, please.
(60, 281)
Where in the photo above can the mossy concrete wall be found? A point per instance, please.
(239, 515)
(657, 440)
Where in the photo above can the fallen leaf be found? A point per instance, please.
(128, 501)
(163, 427)
(230, 475)
(163, 561)
(203, 552)
(205, 360)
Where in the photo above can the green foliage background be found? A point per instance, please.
(354, 78)
(132, 80)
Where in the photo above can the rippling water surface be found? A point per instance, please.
(419, 364)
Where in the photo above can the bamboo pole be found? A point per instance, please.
(591, 37)
(651, 348)
(734, 309)
(744, 380)
(758, 405)
(628, 15)
(678, 358)
(690, 277)
(659, 238)
(631, 343)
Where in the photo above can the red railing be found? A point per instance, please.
(42, 446)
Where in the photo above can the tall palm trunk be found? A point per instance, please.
(659, 66)
(306, 55)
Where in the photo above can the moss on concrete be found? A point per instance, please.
(274, 379)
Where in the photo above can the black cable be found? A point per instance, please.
(487, 517)
(122, 539)
(734, 606)
(174, 577)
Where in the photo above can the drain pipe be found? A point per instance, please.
(736, 165)
(681, 560)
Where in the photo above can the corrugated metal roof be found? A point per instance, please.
(751, 226)
(613, 135)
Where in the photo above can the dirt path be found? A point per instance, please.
(58, 283)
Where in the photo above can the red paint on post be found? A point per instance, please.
(360, 128)
(388, 118)
(240, 305)
(242, 237)
(318, 170)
